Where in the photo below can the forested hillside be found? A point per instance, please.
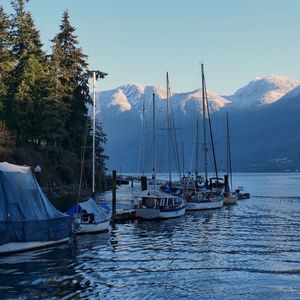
(43, 100)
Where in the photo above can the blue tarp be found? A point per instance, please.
(74, 209)
(26, 215)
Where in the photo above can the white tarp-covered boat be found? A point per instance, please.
(89, 216)
(27, 219)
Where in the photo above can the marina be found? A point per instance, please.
(249, 250)
(145, 186)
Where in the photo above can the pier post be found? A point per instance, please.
(114, 190)
(143, 183)
(226, 183)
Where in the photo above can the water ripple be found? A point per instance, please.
(248, 251)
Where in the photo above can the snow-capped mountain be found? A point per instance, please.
(262, 91)
(264, 118)
(131, 97)
(191, 101)
(256, 94)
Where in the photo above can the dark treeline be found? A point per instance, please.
(43, 100)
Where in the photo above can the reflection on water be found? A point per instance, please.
(250, 250)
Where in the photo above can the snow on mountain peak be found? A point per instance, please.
(262, 91)
(294, 92)
(132, 90)
(190, 100)
(120, 101)
(257, 93)
(136, 92)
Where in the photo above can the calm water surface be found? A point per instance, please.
(247, 251)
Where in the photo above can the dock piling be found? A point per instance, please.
(143, 183)
(114, 190)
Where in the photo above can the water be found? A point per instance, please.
(246, 251)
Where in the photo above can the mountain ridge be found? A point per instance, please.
(257, 93)
(264, 130)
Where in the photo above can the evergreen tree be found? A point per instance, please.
(29, 79)
(71, 86)
(100, 141)
(100, 157)
(56, 111)
(43, 100)
(26, 37)
(30, 102)
(6, 58)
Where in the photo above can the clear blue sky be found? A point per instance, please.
(139, 40)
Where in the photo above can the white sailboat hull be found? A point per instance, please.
(232, 199)
(92, 228)
(201, 205)
(156, 213)
(94, 219)
(148, 213)
(16, 247)
(172, 214)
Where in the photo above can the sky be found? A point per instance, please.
(137, 41)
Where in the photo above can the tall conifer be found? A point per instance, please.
(69, 63)
(29, 79)
(6, 58)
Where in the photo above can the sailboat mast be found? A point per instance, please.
(229, 170)
(95, 75)
(142, 142)
(182, 152)
(169, 127)
(204, 122)
(197, 150)
(94, 130)
(227, 144)
(210, 132)
(154, 142)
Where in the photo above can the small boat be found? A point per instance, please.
(241, 195)
(204, 200)
(27, 218)
(155, 204)
(91, 216)
(199, 197)
(206, 193)
(230, 199)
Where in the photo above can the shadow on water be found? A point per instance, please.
(49, 272)
(37, 274)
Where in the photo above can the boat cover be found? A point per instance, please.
(101, 212)
(26, 215)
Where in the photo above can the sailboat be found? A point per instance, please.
(209, 195)
(229, 197)
(27, 219)
(154, 203)
(90, 216)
